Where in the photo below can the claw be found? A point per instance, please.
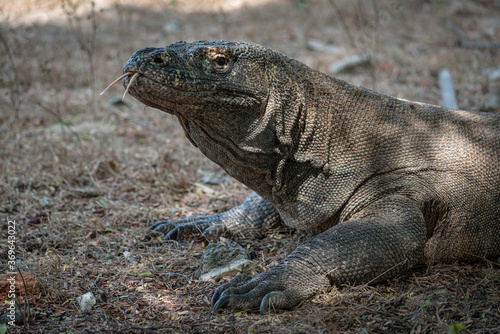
(227, 290)
(216, 296)
(172, 235)
(276, 300)
(223, 302)
(157, 224)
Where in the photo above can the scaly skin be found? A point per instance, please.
(386, 183)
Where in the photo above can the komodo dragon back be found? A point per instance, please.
(385, 183)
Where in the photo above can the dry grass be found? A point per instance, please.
(84, 177)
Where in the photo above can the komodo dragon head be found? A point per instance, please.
(226, 95)
(218, 78)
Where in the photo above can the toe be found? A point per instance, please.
(172, 235)
(160, 226)
(279, 300)
(246, 296)
(237, 280)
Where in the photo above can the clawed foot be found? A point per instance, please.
(249, 220)
(276, 289)
(176, 230)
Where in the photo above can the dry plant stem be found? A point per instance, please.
(27, 309)
(337, 11)
(88, 46)
(15, 95)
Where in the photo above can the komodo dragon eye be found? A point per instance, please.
(221, 61)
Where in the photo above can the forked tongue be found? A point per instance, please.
(134, 76)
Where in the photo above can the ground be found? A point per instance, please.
(83, 175)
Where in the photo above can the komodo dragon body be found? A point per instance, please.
(385, 183)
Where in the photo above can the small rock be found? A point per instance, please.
(86, 301)
(349, 63)
(129, 256)
(492, 73)
(225, 258)
(45, 202)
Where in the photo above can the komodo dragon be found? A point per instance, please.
(385, 183)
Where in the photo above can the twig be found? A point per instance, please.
(210, 324)
(88, 46)
(27, 309)
(336, 9)
(174, 326)
(223, 16)
(60, 120)
(397, 300)
(373, 69)
(465, 43)
(15, 92)
(385, 272)
(483, 258)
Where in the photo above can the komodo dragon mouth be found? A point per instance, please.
(133, 75)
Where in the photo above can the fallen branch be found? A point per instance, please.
(465, 43)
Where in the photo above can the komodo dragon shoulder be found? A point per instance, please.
(386, 183)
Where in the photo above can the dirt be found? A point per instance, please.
(83, 175)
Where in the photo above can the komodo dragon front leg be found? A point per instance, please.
(250, 220)
(381, 241)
